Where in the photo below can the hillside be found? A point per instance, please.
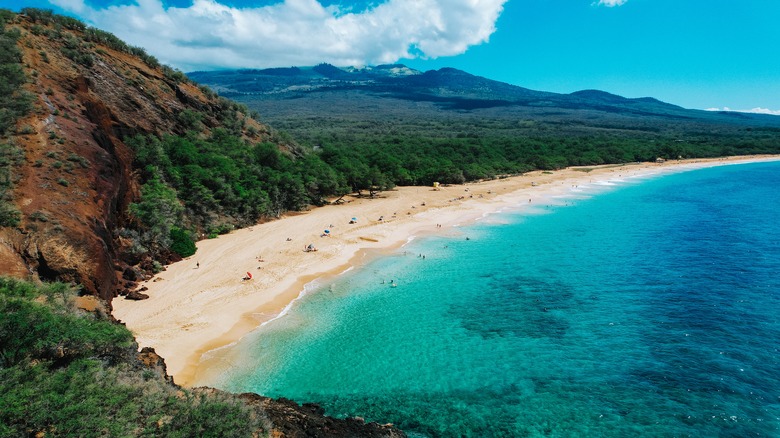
(67, 370)
(73, 169)
(447, 88)
(99, 145)
(432, 117)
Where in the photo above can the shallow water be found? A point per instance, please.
(650, 309)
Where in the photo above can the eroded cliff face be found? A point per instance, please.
(77, 180)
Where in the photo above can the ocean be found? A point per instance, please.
(636, 307)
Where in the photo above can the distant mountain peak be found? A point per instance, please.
(451, 70)
(598, 95)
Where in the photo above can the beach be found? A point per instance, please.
(203, 303)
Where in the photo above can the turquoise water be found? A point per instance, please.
(652, 309)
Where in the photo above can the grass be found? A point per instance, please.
(67, 372)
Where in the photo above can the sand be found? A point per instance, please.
(202, 303)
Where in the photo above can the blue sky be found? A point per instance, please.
(694, 53)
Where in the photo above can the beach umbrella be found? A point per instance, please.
(327, 231)
(354, 219)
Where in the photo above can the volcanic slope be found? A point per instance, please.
(72, 173)
(383, 107)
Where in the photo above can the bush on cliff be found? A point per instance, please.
(68, 372)
(182, 243)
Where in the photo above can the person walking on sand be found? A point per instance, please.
(197, 265)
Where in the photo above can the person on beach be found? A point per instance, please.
(197, 265)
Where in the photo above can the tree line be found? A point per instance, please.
(213, 184)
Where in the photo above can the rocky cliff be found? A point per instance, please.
(76, 178)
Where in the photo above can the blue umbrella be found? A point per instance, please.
(327, 231)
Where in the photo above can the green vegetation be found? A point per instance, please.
(420, 146)
(80, 50)
(67, 372)
(450, 126)
(159, 211)
(411, 139)
(457, 160)
(207, 183)
(43, 324)
(182, 243)
(14, 103)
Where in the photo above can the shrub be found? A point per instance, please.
(14, 102)
(30, 329)
(75, 158)
(69, 373)
(25, 130)
(191, 119)
(159, 211)
(39, 216)
(9, 215)
(182, 243)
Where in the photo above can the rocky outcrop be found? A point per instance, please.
(77, 180)
(284, 418)
(291, 420)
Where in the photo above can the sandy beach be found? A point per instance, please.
(203, 303)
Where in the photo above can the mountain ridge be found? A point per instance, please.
(448, 87)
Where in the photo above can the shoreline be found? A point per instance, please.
(198, 309)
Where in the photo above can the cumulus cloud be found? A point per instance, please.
(757, 110)
(208, 34)
(611, 3)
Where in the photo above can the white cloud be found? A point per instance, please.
(295, 32)
(757, 110)
(611, 3)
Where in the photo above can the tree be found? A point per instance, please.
(376, 181)
(159, 211)
(181, 242)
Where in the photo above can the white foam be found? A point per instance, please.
(308, 287)
(409, 240)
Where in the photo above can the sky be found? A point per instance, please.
(703, 54)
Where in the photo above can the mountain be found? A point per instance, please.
(271, 91)
(450, 126)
